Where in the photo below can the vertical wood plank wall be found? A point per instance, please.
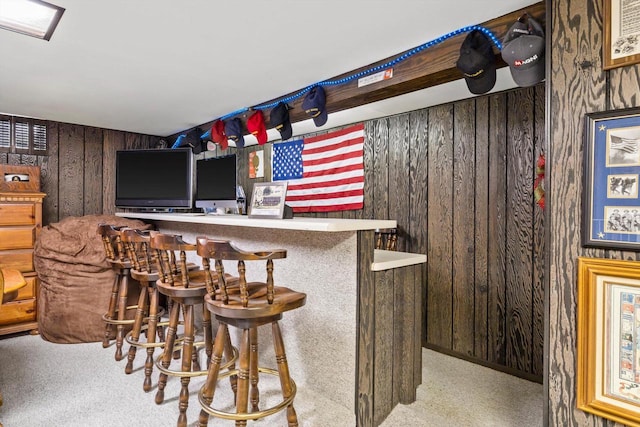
(78, 172)
(457, 177)
(577, 85)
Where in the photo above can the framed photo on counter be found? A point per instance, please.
(268, 200)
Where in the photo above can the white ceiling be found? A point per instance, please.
(162, 66)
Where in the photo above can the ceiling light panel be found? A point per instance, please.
(31, 17)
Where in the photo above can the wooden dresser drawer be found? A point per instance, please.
(21, 259)
(17, 237)
(17, 214)
(20, 225)
(18, 311)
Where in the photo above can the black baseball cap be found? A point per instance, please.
(279, 119)
(193, 140)
(477, 62)
(523, 51)
(314, 104)
(233, 130)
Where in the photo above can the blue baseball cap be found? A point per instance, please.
(234, 131)
(279, 119)
(314, 104)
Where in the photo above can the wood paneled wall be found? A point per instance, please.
(577, 85)
(77, 174)
(485, 294)
(458, 178)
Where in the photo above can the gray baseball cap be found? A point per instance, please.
(523, 51)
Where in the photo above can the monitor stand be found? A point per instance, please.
(221, 211)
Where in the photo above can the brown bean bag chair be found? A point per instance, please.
(75, 278)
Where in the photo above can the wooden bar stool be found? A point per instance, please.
(149, 311)
(386, 238)
(120, 263)
(247, 306)
(186, 288)
(11, 281)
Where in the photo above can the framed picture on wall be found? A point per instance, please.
(611, 204)
(608, 333)
(621, 33)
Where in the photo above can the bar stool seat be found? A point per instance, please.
(256, 304)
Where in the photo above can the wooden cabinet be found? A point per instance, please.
(20, 224)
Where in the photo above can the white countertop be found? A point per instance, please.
(386, 260)
(299, 223)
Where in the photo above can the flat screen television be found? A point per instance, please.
(159, 179)
(216, 183)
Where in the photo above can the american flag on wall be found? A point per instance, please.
(324, 173)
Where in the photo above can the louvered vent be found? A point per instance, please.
(5, 133)
(22, 135)
(39, 137)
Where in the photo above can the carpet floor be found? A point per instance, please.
(68, 385)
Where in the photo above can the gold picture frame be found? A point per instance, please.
(608, 332)
(621, 44)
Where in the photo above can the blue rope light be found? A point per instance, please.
(380, 67)
(363, 73)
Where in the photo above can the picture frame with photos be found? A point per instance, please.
(611, 178)
(608, 332)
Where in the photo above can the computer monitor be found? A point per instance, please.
(159, 179)
(216, 183)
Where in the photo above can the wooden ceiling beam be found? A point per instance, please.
(430, 67)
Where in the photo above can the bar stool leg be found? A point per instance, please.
(137, 327)
(111, 311)
(151, 337)
(208, 390)
(283, 370)
(187, 354)
(253, 373)
(195, 361)
(208, 333)
(228, 352)
(167, 353)
(243, 376)
(170, 304)
(123, 293)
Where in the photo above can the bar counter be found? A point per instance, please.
(357, 341)
(298, 223)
